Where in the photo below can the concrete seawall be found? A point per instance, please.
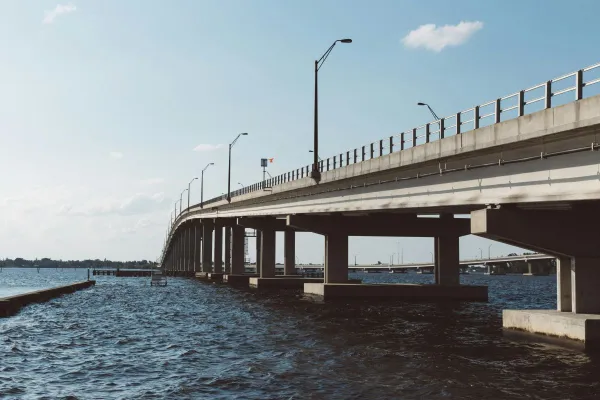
(12, 304)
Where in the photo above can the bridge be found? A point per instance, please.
(536, 264)
(526, 171)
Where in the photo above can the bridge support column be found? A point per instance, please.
(238, 242)
(178, 260)
(227, 269)
(267, 253)
(563, 284)
(258, 250)
(337, 229)
(585, 284)
(572, 236)
(207, 251)
(447, 263)
(183, 250)
(537, 267)
(218, 258)
(238, 239)
(175, 254)
(289, 262)
(197, 246)
(191, 232)
(336, 258)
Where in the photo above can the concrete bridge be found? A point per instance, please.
(531, 181)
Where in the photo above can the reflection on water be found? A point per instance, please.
(126, 339)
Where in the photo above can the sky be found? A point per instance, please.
(109, 108)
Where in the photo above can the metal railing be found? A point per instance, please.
(463, 121)
(455, 124)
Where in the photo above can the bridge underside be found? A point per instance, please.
(533, 182)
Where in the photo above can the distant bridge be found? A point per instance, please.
(384, 266)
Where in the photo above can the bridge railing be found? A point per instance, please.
(492, 112)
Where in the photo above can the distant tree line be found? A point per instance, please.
(49, 263)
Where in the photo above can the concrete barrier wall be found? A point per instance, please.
(12, 304)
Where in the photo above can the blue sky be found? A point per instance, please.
(102, 103)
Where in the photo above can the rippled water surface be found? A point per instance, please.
(124, 339)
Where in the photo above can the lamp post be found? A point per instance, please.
(229, 169)
(432, 113)
(431, 256)
(189, 184)
(181, 200)
(489, 251)
(481, 254)
(400, 260)
(316, 174)
(202, 181)
(430, 110)
(241, 184)
(175, 211)
(319, 158)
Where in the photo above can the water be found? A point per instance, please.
(15, 281)
(123, 339)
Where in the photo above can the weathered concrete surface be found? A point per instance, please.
(581, 327)
(408, 291)
(12, 304)
(281, 283)
(215, 277)
(241, 280)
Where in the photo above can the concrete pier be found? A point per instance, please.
(215, 276)
(584, 328)
(281, 283)
(12, 304)
(406, 291)
(238, 280)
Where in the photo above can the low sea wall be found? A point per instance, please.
(12, 304)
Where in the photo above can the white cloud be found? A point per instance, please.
(152, 181)
(59, 10)
(115, 155)
(208, 147)
(436, 39)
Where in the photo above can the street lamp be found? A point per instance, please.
(431, 256)
(181, 200)
(489, 251)
(241, 184)
(176, 211)
(316, 174)
(319, 158)
(430, 110)
(481, 253)
(229, 170)
(189, 184)
(202, 181)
